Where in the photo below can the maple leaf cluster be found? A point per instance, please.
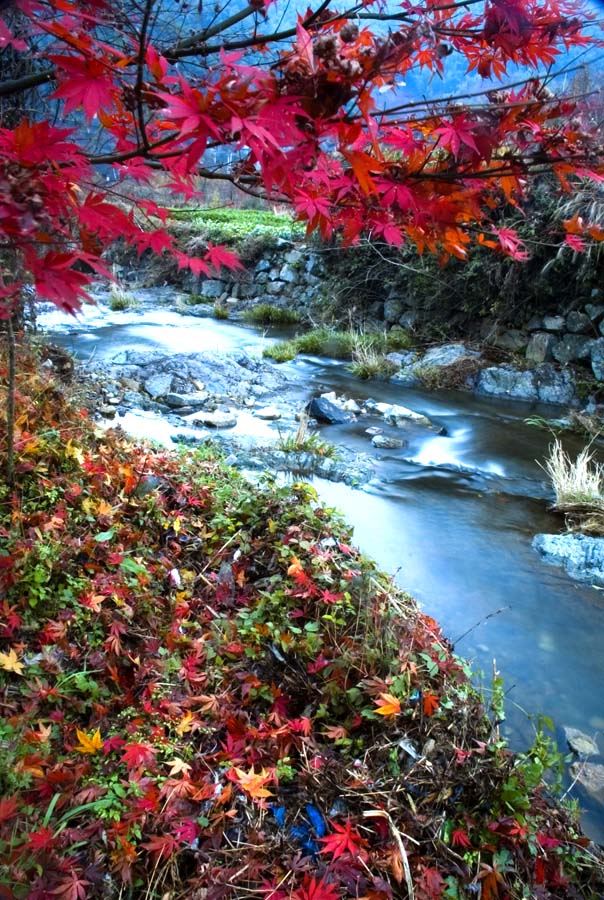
(309, 127)
(266, 740)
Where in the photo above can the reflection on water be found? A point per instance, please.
(451, 517)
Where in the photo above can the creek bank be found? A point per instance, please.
(224, 645)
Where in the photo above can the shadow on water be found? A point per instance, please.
(450, 516)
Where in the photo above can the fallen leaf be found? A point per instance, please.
(90, 744)
(10, 662)
(388, 705)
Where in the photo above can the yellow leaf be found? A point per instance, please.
(185, 724)
(89, 506)
(178, 765)
(388, 705)
(74, 452)
(89, 744)
(253, 783)
(295, 568)
(104, 508)
(10, 662)
(176, 525)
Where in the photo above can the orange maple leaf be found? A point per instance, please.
(253, 783)
(430, 703)
(388, 705)
(88, 744)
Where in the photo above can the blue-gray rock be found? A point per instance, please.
(554, 323)
(212, 287)
(288, 273)
(572, 347)
(447, 355)
(323, 410)
(195, 398)
(594, 311)
(544, 383)
(578, 323)
(540, 347)
(393, 309)
(512, 341)
(581, 556)
(506, 381)
(385, 442)
(597, 358)
(158, 385)
(401, 357)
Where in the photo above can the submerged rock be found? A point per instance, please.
(580, 743)
(271, 413)
(591, 776)
(385, 442)
(581, 556)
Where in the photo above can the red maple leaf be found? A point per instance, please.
(511, 244)
(218, 256)
(162, 845)
(430, 703)
(430, 884)
(84, 82)
(456, 133)
(460, 838)
(136, 755)
(72, 888)
(345, 839)
(312, 889)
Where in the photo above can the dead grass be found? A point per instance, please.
(579, 487)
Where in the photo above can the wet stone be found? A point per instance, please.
(580, 743)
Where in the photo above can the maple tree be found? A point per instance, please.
(303, 113)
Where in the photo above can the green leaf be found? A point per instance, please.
(104, 536)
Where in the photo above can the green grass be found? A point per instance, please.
(120, 299)
(338, 344)
(303, 441)
(236, 225)
(267, 314)
(221, 311)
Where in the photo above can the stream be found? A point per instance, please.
(451, 517)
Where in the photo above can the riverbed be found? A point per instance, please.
(450, 515)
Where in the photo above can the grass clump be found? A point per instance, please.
(120, 299)
(337, 343)
(578, 486)
(304, 441)
(368, 362)
(221, 311)
(268, 314)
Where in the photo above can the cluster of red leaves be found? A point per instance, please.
(201, 687)
(307, 129)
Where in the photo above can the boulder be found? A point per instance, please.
(159, 385)
(195, 398)
(572, 347)
(540, 347)
(506, 381)
(385, 442)
(535, 323)
(217, 419)
(401, 358)
(594, 311)
(591, 777)
(580, 743)
(275, 287)
(288, 274)
(351, 406)
(597, 358)
(578, 323)
(399, 415)
(409, 320)
(513, 341)
(393, 309)
(581, 556)
(324, 410)
(294, 257)
(212, 287)
(271, 413)
(554, 323)
(554, 385)
(446, 355)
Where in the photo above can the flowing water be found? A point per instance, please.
(451, 517)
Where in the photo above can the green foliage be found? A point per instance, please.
(120, 299)
(338, 343)
(267, 314)
(238, 226)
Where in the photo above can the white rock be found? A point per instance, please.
(395, 414)
(268, 412)
(352, 406)
(384, 442)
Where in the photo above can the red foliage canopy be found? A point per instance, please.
(302, 111)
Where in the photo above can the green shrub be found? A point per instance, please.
(267, 314)
(303, 441)
(338, 344)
